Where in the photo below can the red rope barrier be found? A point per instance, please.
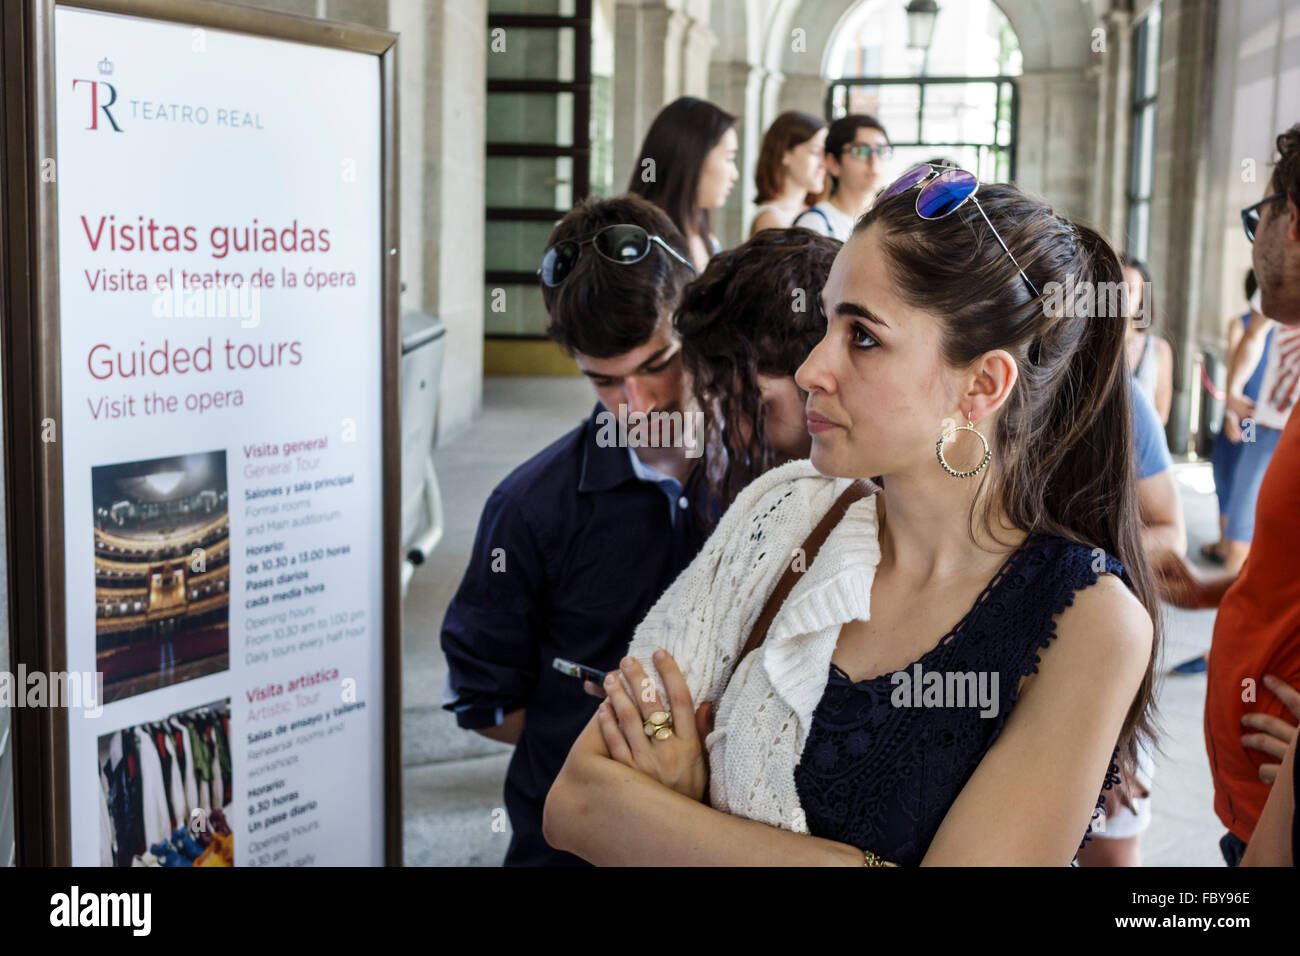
(1209, 386)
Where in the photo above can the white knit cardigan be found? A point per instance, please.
(705, 617)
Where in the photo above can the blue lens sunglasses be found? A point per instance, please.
(943, 190)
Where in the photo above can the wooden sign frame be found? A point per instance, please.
(30, 362)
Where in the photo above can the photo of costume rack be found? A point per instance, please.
(167, 788)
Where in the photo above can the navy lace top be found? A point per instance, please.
(886, 757)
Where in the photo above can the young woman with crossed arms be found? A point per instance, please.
(934, 317)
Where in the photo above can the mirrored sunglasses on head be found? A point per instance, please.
(623, 244)
(944, 190)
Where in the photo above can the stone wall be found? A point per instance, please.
(442, 96)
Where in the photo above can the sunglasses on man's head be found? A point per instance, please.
(944, 190)
(1250, 215)
(622, 244)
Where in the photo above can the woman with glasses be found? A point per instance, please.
(953, 667)
(790, 173)
(687, 167)
(857, 149)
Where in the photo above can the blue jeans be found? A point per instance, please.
(1232, 848)
(1223, 460)
(1246, 478)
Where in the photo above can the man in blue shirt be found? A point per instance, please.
(577, 543)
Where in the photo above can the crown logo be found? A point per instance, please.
(106, 67)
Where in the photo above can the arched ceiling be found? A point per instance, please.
(1053, 34)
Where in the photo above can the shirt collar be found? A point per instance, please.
(649, 473)
(608, 467)
(603, 468)
(670, 486)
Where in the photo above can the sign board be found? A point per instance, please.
(226, 326)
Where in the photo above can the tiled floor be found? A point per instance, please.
(452, 785)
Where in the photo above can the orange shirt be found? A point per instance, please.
(1257, 632)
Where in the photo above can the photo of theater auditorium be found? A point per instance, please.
(162, 572)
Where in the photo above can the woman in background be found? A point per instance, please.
(857, 148)
(1272, 352)
(1227, 444)
(746, 324)
(791, 170)
(687, 167)
(1149, 356)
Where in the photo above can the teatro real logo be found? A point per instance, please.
(103, 99)
(96, 94)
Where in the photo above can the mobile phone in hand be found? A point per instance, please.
(583, 673)
(580, 671)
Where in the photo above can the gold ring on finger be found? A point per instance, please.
(659, 720)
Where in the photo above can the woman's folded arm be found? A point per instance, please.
(612, 815)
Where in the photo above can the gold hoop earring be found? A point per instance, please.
(951, 433)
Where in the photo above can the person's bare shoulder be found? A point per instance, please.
(1105, 631)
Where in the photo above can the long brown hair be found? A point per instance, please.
(752, 311)
(787, 131)
(667, 171)
(1063, 444)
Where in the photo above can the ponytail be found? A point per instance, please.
(1089, 463)
(1065, 461)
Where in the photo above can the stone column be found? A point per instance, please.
(442, 93)
(666, 54)
(1180, 178)
(661, 52)
(631, 90)
(736, 87)
(770, 100)
(802, 91)
(1109, 208)
(641, 86)
(697, 50)
(1058, 122)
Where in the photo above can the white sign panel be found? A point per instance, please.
(219, 200)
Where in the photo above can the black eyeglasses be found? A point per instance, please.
(864, 152)
(623, 244)
(1250, 215)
